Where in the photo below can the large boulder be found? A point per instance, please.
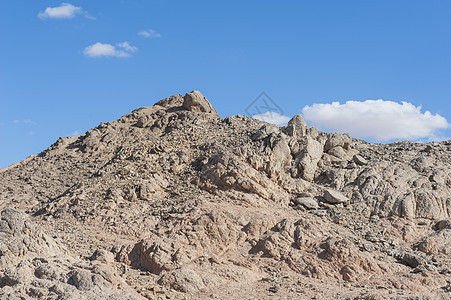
(297, 126)
(307, 161)
(195, 101)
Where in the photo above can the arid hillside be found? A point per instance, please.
(173, 202)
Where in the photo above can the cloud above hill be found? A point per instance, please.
(98, 50)
(376, 119)
(273, 118)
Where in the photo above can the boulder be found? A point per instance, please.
(264, 132)
(309, 157)
(307, 202)
(335, 197)
(297, 126)
(358, 159)
(443, 224)
(337, 139)
(195, 101)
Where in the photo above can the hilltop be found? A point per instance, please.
(173, 201)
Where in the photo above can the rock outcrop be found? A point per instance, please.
(173, 201)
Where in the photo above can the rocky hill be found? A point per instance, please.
(173, 202)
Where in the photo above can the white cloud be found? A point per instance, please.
(107, 50)
(149, 33)
(273, 118)
(64, 11)
(376, 119)
(127, 47)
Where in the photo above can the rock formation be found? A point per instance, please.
(173, 201)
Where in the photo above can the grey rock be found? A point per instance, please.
(413, 260)
(82, 279)
(337, 151)
(369, 247)
(307, 202)
(358, 159)
(443, 224)
(335, 197)
(264, 132)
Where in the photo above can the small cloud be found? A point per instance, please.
(88, 16)
(379, 120)
(127, 47)
(64, 11)
(107, 50)
(149, 33)
(30, 133)
(273, 118)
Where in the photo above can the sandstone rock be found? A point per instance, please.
(195, 101)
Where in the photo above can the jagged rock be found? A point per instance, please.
(195, 101)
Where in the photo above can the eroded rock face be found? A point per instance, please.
(178, 202)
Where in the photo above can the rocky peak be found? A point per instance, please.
(182, 202)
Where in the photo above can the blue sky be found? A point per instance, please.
(54, 80)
